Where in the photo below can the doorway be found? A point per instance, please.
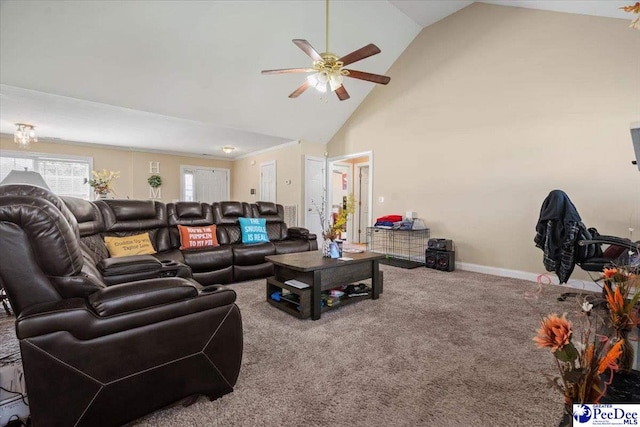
(359, 182)
(207, 185)
(268, 181)
(314, 178)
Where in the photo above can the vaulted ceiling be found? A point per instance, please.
(183, 76)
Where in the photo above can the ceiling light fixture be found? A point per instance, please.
(24, 135)
(327, 70)
(228, 149)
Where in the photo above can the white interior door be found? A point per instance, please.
(268, 182)
(206, 185)
(314, 180)
(362, 202)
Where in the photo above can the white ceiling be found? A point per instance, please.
(184, 76)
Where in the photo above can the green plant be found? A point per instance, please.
(101, 181)
(155, 181)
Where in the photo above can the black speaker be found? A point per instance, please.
(440, 244)
(431, 258)
(446, 261)
(440, 260)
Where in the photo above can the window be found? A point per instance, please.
(65, 175)
(188, 186)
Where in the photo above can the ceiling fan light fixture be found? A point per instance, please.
(335, 81)
(319, 80)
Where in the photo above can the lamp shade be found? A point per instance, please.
(25, 177)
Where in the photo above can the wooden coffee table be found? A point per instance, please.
(321, 274)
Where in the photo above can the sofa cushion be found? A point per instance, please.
(251, 254)
(139, 244)
(229, 212)
(197, 237)
(87, 214)
(209, 259)
(253, 230)
(267, 208)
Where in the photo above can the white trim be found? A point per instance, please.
(266, 150)
(357, 170)
(525, 275)
(47, 156)
(124, 148)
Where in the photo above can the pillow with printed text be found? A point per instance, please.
(254, 230)
(197, 237)
(140, 244)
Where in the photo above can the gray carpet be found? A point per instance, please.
(437, 349)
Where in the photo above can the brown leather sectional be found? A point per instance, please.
(99, 355)
(230, 262)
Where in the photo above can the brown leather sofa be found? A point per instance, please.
(230, 262)
(103, 356)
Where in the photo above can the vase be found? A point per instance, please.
(101, 195)
(326, 248)
(625, 361)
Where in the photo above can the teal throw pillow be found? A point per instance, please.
(254, 230)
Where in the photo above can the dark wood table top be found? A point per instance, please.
(312, 261)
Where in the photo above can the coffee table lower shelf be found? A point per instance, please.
(303, 309)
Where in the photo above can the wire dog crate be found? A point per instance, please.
(407, 245)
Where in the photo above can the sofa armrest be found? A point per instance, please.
(139, 267)
(78, 317)
(140, 295)
(128, 264)
(300, 233)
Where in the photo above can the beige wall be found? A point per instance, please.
(133, 166)
(289, 160)
(490, 109)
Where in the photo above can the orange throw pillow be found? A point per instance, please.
(197, 237)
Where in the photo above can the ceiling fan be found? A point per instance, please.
(327, 68)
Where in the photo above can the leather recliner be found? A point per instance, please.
(103, 356)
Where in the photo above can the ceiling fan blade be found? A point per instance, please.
(342, 93)
(364, 52)
(296, 93)
(375, 78)
(288, 70)
(308, 49)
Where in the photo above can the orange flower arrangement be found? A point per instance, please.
(620, 282)
(554, 333)
(580, 371)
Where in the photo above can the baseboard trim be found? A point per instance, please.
(525, 275)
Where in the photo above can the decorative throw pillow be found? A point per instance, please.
(254, 230)
(197, 237)
(140, 244)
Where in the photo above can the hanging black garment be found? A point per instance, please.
(557, 233)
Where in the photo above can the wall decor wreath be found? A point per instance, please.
(155, 181)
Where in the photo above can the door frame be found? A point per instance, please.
(275, 180)
(356, 187)
(183, 168)
(338, 159)
(323, 191)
